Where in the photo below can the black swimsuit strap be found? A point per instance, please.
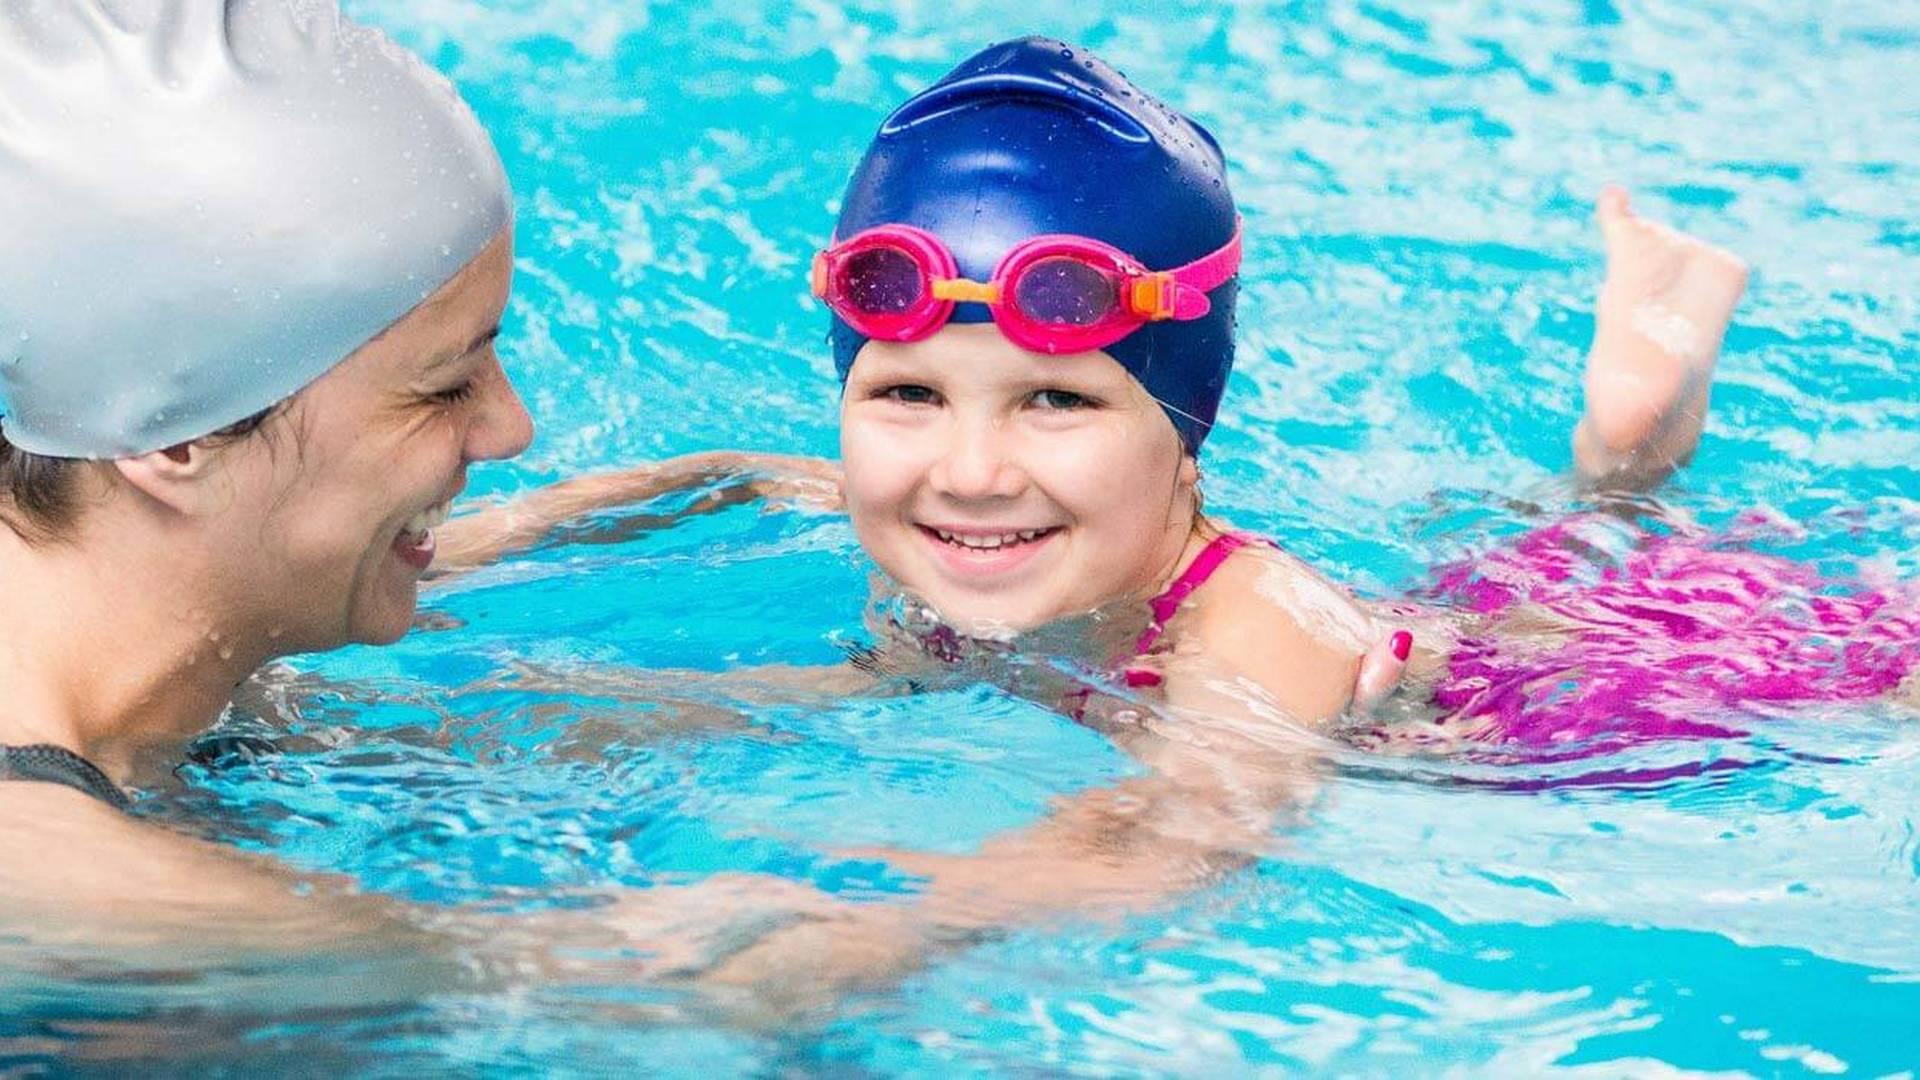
(52, 765)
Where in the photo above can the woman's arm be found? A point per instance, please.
(1215, 788)
(1225, 762)
(104, 888)
(733, 477)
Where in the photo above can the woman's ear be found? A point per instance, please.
(179, 477)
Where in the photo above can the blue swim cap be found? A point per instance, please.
(1031, 137)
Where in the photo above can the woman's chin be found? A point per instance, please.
(387, 620)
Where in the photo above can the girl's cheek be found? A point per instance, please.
(874, 477)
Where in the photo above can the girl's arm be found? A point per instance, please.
(491, 534)
(1268, 621)
(1265, 653)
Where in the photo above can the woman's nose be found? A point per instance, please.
(501, 427)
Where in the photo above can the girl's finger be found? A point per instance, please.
(1381, 670)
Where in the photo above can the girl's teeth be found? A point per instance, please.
(989, 543)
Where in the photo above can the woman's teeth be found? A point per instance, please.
(427, 520)
(989, 542)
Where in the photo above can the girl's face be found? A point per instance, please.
(1008, 488)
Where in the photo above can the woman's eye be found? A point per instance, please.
(452, 395)
(1061, 399)
(910, 395)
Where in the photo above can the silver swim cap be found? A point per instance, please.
(207, 204)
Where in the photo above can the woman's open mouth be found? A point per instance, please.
(415, 545)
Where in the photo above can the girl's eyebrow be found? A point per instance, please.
(1064, 376)
(897, 373)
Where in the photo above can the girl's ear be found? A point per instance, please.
(1189, 471)
(179, 477)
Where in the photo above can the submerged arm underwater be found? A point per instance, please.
(1209, 805)
(153, 900)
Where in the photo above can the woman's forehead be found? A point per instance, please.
(460, 317)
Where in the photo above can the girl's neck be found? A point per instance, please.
(1204, 531)
(101, 655)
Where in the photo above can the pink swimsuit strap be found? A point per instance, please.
(1167, 604)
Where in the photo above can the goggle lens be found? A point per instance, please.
(881, 281)
(1063, 291)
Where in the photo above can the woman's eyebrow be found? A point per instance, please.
(484, 339)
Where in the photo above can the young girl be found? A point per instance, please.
(1032, 283)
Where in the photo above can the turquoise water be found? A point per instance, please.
(1415, 180)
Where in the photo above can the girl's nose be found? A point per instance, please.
(978, 463)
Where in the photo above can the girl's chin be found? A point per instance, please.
(995, 619)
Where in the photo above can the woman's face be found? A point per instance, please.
(1009, 488)
(345, 485)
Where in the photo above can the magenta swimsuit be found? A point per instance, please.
(1676, 638)
(1167, 604)
(1670, 640)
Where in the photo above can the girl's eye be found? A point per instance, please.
(910, 395)
(1062, 399)
(453, 395)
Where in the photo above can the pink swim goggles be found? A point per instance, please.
(1050, 294)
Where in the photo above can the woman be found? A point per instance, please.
(252, 266)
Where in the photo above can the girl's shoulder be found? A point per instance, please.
(1260, 583)
(1266, 616)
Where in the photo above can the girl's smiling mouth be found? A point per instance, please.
(974, 551)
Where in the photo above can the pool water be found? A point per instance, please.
(1416, 181)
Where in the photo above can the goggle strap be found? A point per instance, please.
(1209, 272)
(818, 275)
